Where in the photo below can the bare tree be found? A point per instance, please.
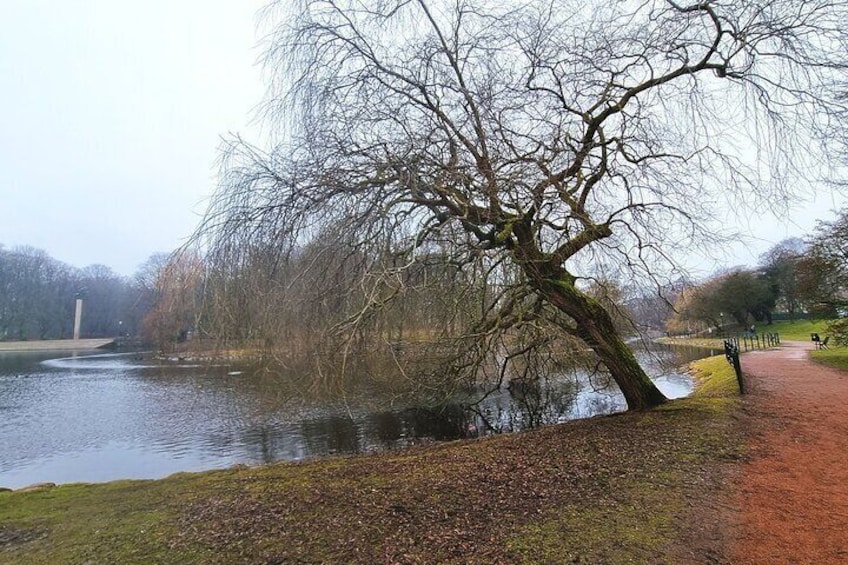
(822, 272)
(780, 266)
(548, 137)
(176, 300)
(24, 277)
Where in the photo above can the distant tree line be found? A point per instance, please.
(38, 293)
(796, 278)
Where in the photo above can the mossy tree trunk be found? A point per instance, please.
(596, 328)
(594, 325)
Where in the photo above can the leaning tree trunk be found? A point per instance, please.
(596, 328)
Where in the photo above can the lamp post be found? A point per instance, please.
(721, 323)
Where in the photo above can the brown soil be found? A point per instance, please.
(792, 494)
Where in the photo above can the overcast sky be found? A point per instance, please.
(111, 114)
(110, 117)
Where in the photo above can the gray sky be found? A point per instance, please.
(111, 113)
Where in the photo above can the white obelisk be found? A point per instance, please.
(78, 319)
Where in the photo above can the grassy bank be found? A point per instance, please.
(798, 330)
(618, 489)
(833, 357)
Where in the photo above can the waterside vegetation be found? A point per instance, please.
(609, 489)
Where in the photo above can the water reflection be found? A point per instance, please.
(97, 417)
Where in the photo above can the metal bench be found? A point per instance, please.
(819, 342)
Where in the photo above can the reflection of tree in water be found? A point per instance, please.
(388, 429)
(669, 357)
(264, 443)
(569, 391)
(333, 434)
(392, 429)
(541, 401)
(528, 396)
(524, 405)
(601, 402)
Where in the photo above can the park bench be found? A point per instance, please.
(819, 342)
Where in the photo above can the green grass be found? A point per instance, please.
(641, 527)
(835, 357)
(798, 330)
(118, 522)
(714, 377)
(617, 489)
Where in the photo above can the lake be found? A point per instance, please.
(92, 417)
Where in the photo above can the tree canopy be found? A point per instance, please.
(735, 297)
(823, 270)
(530, 146)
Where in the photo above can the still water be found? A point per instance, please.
(92, 417)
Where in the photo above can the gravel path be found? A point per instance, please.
(793, 490)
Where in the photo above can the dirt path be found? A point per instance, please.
(793, 491)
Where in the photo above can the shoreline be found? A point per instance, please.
(624, 482)
(54, 345)
(707, 373)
